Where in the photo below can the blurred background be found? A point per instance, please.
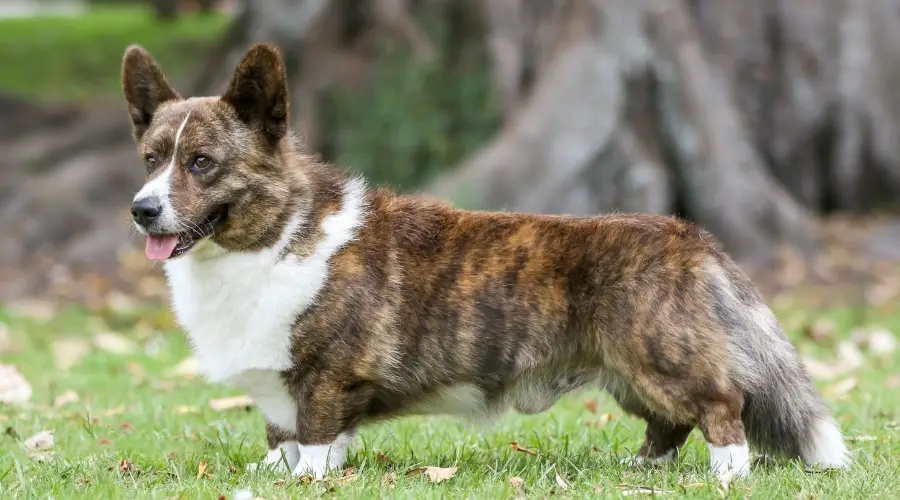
(773, 124)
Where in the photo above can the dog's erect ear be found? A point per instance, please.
(145, 87)
(258, 92)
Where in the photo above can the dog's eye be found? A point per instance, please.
(149, 161)
(201, 163)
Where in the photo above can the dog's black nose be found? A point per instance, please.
(146, 210)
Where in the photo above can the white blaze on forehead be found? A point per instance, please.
(160, 185)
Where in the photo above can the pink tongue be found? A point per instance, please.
(160, 247)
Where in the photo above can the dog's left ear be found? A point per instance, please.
(258, 92)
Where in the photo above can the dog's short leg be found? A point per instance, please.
(662, 441)
(326, 420)
(724, 432)
(283, 449)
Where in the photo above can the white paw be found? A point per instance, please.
(729, 461)
(637, 460)
(317, 460)
(283, 458)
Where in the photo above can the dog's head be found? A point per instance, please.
(214, 165)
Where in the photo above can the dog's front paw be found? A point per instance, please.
(317, 460)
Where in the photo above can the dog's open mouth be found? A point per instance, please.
(169, 246)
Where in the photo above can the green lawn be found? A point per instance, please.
(132, 409)
(61, 58)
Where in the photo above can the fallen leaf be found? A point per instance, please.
(41, 441)
(629, 490)
(126, 466)
(66, 398)
(235, 402)
(861, 438)
(105, 441)
(515, 446)
(438, 474)
(382, 458)
(279, 482)
(591, 405)
(120, 303)
(138, 374)
(882, 342)
(434, 474)
(114, 343)
(118, 410)
(821, 332)
(126, 426)
(187, 368)
(517, 484)
(561, 482)
(848, 359)
(843, 387)
(389, 479)
(14, 389)
(604, 419)
(201, 469)
(184, 409)
(5, 339)
(68, 352)
(39, 310)
(849, 356)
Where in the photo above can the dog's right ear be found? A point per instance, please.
(144, 86)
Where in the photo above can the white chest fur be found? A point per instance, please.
(238, 308)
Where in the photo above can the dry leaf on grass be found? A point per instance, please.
(877, 341)
(434, 474)
(561, 482)
(42, 441)
(201, 470)
(517, 484)
(629, 490)
(591, 405)
(14, 389)
(236, 402)
(118, 410)
(114, 343)
(187, 368)
(382, 458)
(39, 310)
(66, 398)
(126, 466)
(843, 387)
(389, 479)
(601, 421)
(68, 352)
(184, 409)
(5, 339)
(861, 438)
(137, 371)
(848, 359)
(821, 332)
(515, 446)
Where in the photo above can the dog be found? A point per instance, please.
(335, 305)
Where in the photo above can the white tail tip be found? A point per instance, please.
(825, 448)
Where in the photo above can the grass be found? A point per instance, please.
(61, 58)
(132, 409)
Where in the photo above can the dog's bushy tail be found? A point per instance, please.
(783, 413)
